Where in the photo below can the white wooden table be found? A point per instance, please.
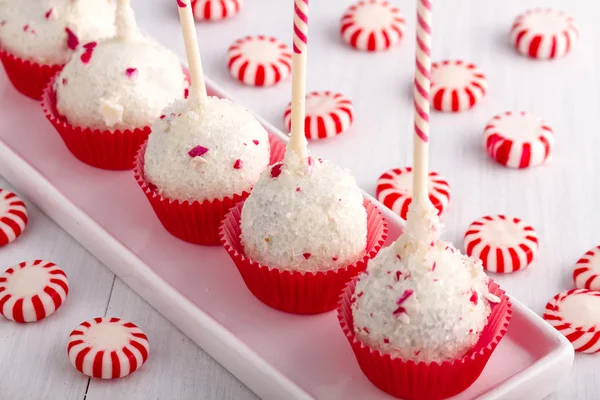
(559, 199)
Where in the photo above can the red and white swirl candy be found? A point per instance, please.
(504, 244)
(576, 314)
(108, 348)
(32, 290)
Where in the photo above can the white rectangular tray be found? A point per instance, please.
(277, 355)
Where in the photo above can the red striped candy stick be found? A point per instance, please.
(186, 17)
(422, 86)
(297, 139)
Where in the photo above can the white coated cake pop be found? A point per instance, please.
(420, 298)
(119, 83)
(47, 31)
(304, 215)
(209, 152)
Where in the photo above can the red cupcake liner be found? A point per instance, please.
(195, 222)
(293, 291)
(108, 149)
(28, 77)
(426, 381)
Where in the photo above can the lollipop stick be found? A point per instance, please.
(125, 20)
(297, 139)
(422, 86)
(188, 28)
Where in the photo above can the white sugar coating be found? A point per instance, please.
(308, 218)
(36, 30)
(421, 299)
(125, 85)
(228, 132)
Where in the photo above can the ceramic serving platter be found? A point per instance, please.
(198, 289)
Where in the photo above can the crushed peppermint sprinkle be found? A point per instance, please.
(26, 28)
(87, 55)
(238, 164)
(402, 299)
(474, 298)
(64, 81)
(398, 275)
(72, 39)
(198, 151)
(132, 73)
(256, 142)
(276, 170)
(299, 189)
(186, 93)
(48, 13)
(386, 340)
(359, 294)
(306, 255)
(334, 258)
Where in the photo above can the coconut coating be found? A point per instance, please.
(119, 84)
(47, 31)
(208, 152)
(422, 300)
(304, 217)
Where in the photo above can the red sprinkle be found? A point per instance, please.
(238, 164)
(366, 330)
(398, 275)
(131, 73)
(306, 255)
(90, 45)
(386, 340)
(276, 170)
(255, 142)
(64, 81)
(198, 151)
(402, 299)
(398, 256)
(417, 352)
(433, 266)
(48, 13)
(86, 57)
(26, 28)
(163, 116)
(360, 294)
(299, 189)
(72, 39)
(334, 258)
(186, 93)
(474, 298)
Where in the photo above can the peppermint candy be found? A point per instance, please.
(504, 244)
(107, 348)
(215, 10)
(259, 60)
(394, 190)
(456, 85)
(544, 34)
(518, 140)
(327, 114)
(576, 314)
(13, 216)
(586, 273)
(372, 25)
(32, 290)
